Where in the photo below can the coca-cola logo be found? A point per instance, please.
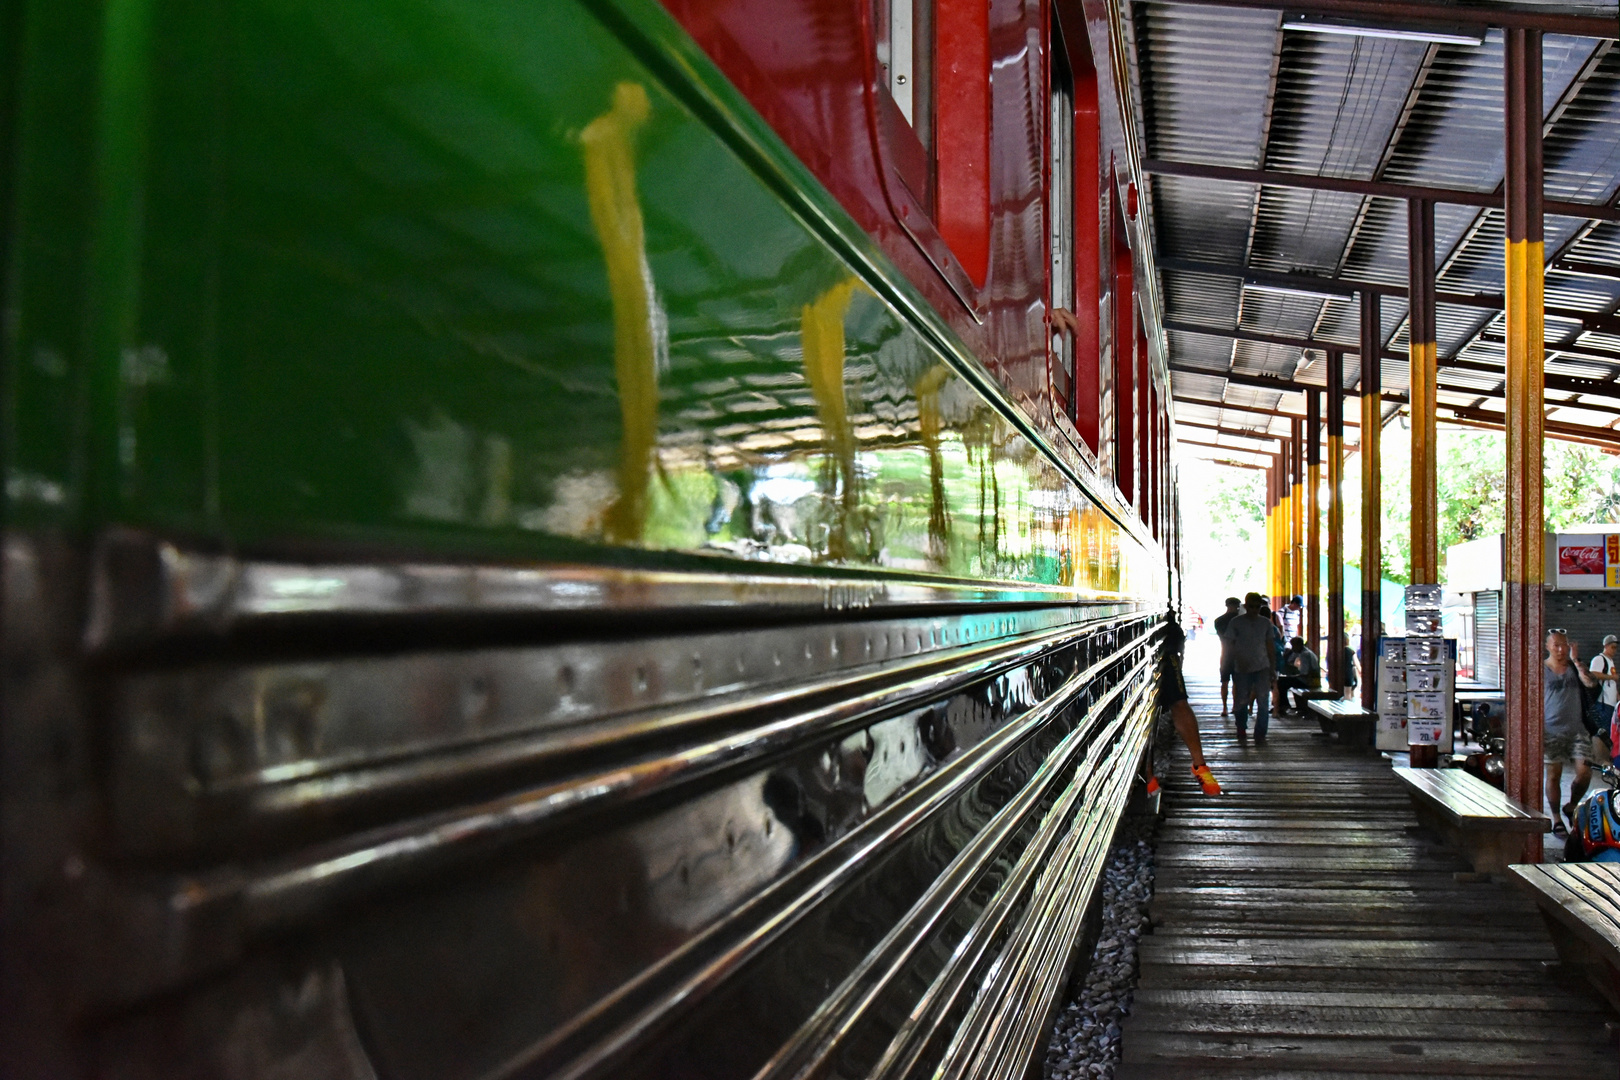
(1581, 560)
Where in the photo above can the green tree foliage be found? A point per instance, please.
(1582, 488)
(1224, 551)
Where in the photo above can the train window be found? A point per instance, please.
(1073, 209)
(934, 62)
(1144, 422)
(1124, 335)
(905, 40)
(1060, 214)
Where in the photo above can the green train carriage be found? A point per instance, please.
(509, 571)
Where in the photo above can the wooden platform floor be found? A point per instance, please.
(1303, 927)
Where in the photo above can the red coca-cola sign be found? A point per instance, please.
(1585, 559)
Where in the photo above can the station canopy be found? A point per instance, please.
(1282, 151)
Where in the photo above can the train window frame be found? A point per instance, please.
(1122, 269)
(1062, 273)
(1073, 184)
(1144, 424)
(907, 69)
(934, 150)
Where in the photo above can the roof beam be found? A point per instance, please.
(1325, 286)
(1349, 421)
(1352, 349)
(1184, 441)
(1569, 384)
(1266, 382)
(1202, 453)
(1375, 188)
(1262, 382)
(1496, 425)
(1579, 351)
(1257, 436)
(1587, 269)
(1399, 12)
(1604, 437)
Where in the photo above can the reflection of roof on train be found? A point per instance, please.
(1249, 270)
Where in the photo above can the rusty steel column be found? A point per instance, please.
(1337, 676)
(1425, 520)
(1313, 517)
(1372, 507)
(1521, 646)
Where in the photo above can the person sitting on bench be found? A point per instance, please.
(1300, 671)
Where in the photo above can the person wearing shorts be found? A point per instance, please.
(1563, 736)
(1173, 697)
(1233, 607)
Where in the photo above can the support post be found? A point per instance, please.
(1522, 646)
(1425, 520)
(1337, 676)
(1280, 536)
(1296, 522)
(1313, 517)
(1372, 508)
(1271, 528)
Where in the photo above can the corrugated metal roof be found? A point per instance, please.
(1231, 87)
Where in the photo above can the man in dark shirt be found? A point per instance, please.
(1252, 639)
(1233, 605)
(1301, 671)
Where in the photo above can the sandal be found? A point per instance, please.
(1559, 831)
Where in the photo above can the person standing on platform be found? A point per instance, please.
(1173, 697)
(1603, 669)
(1350, 666)
(1269, 612)
(1233, 606)
(1564, 738)
(1252, 639)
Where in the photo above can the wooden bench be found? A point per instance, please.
(1320, 695)
(1347, 719)
(1581, 903)
(1472, 815)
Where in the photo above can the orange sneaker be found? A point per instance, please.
(1206, 780)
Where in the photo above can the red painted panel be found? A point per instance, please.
(1144, 425)
(1125, 412)
(962, 134)
(1155, 461)
(1087, 251)
(810, 68)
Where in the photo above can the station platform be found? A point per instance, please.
(1305, 927)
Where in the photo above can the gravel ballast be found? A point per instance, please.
(1085, 1039)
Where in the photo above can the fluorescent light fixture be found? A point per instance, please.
(1439, 34)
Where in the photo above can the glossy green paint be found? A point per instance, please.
(327, 273)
